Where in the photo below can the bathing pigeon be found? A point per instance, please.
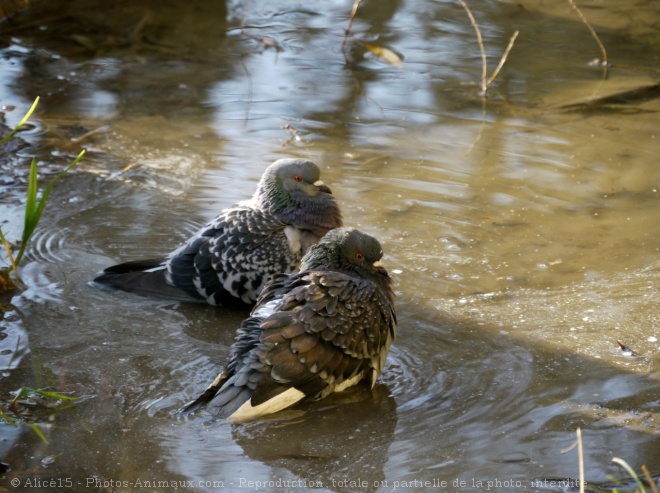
(311, 334)
(229, 260)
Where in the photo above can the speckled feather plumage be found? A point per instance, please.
(314, 331)
(231, 257)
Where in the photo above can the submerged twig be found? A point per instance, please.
(13, 355)
(356, 4)
(264, 41)
(248, 6)
(605, 62)
(294, 132)
(249, 94)
(85, 136)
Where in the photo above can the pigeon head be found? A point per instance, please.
(350, 251)
(292, 189)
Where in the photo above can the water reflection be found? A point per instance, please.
(331, 441)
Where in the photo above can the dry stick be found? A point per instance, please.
(651, 481)
(484, 67)
(12, 262)
(580, 459)
(591, 30)
(13, 355)
(85, 136)
(356, 3)
(487, 81)
(503, 59)
(248, 6)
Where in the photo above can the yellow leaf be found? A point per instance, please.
(385, 54)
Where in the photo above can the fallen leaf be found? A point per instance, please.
(385, 54)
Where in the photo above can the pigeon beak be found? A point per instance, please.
(378, 267)
(322, 187)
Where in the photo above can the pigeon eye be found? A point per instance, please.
(298, 178)
(359, 257)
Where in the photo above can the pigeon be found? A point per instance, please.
(230, 259)
(310, 334)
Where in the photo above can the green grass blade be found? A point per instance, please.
(20, 393)
(53, 395)
(42, 202)
(22, 122)
(29, 392)
(38, 431)
(13, 422)
(29, 224)
(9, 420)
(34, 209)
(630, 471)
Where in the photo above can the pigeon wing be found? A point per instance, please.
(329, 331)
(232, 256)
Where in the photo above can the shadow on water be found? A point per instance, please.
(456, 401)
(521, 240)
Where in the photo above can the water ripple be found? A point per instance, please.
(49, 245)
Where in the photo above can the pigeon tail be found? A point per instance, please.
(248, 411)
(143, 277)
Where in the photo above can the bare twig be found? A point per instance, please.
(503, 59)
(356, 4)
(248, 6)
(13, 355)
(10, 256)
(591, 30)
(651, 481)
(484, 66)
(485, 80)
(580, 459)
(264, 41)
(85, 136)
(249, 94)
(294, 132)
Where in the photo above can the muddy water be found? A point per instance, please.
(522, 232)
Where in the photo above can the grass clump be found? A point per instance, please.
(22, 409)
(33, 210)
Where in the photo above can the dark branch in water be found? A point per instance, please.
(356, 4)
(628, 97)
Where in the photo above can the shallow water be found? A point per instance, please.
(521, 231)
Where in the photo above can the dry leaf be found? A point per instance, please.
(385, 54)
